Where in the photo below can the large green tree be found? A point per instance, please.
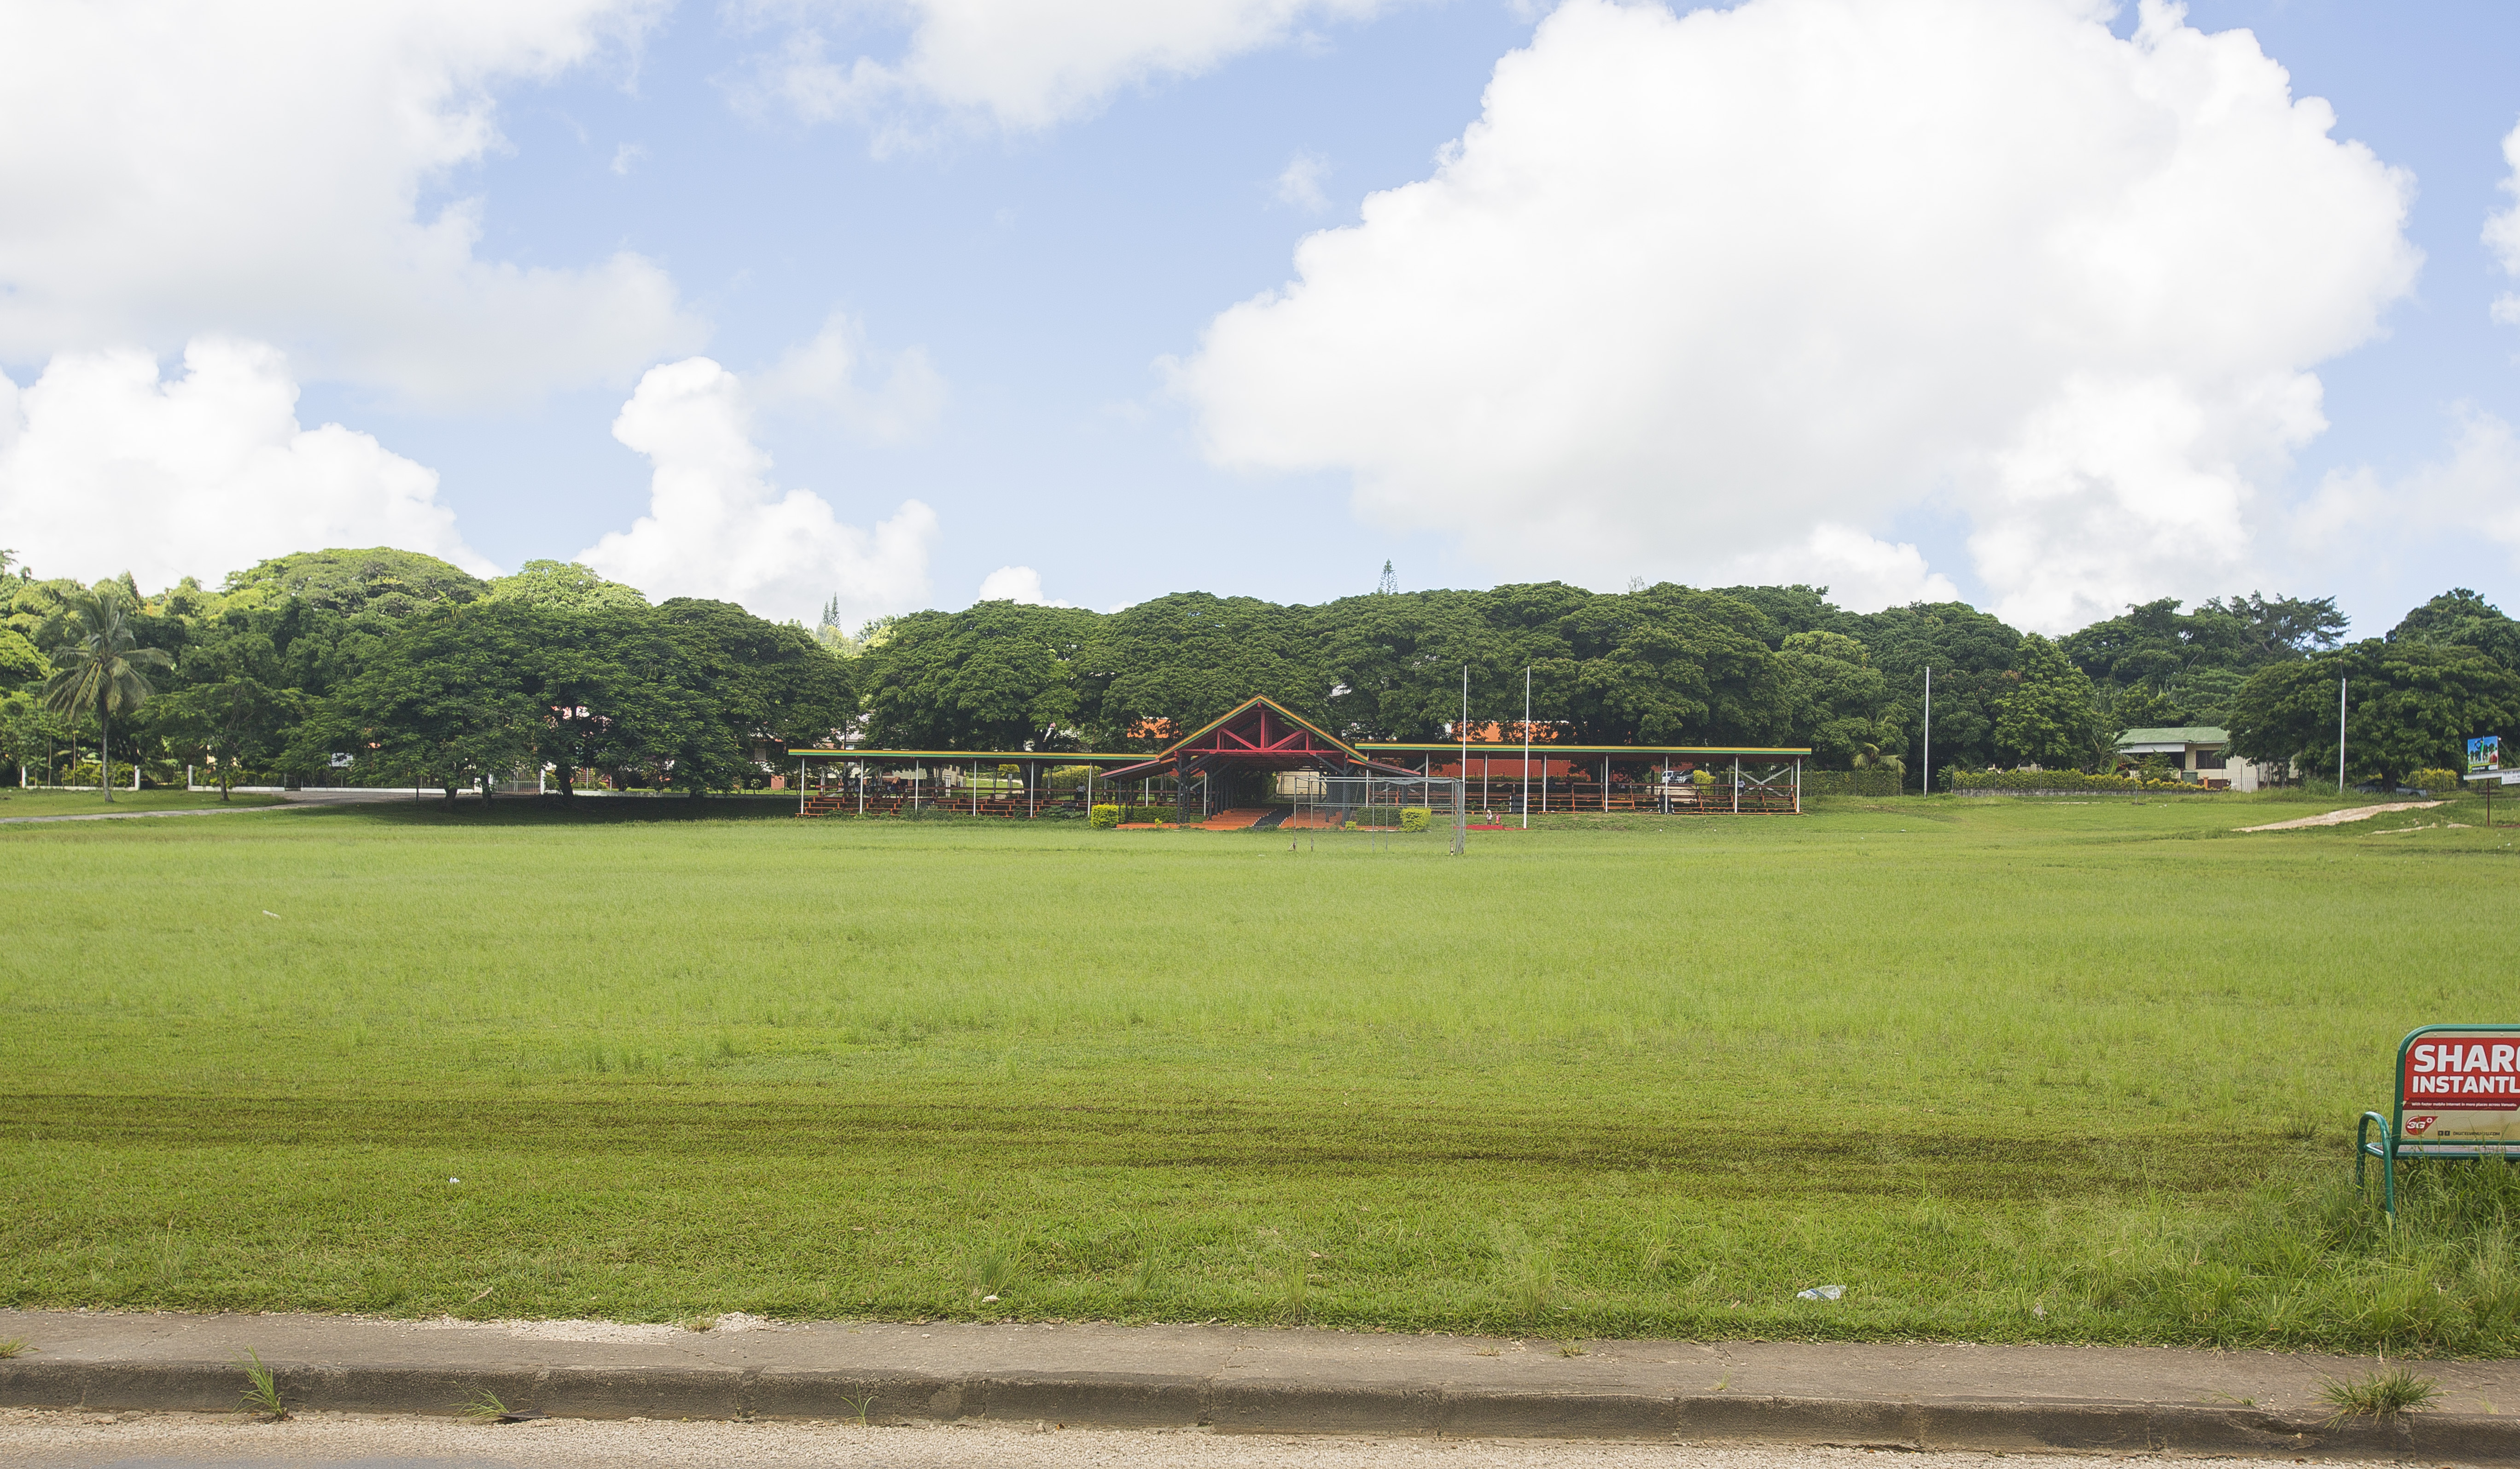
(1394, 664)
(755, 690)
(612, 687)
(1971, 654)
(448, 701)
(1175, 663)
(2050, 715)
(231, 702)
(2408, 706)
(998, 675)
(396, 584)
(1665, 664)
(31, 736)
(564, 586)
(2196, 660)
(333, 610)
(98, 667)
(2461, 619)
(1841, 701)
(19, 661)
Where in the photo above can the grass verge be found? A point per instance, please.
(2006, 1069)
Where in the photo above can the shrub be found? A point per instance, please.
(1415, 819)
(1873, 781)
(2064, 780)
(2436, 780)
(1105, 817)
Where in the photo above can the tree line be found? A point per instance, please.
(421, 673)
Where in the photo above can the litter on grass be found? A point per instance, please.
(1821, 1293)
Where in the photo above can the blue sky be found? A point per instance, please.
(1666, 313)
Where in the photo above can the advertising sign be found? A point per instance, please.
(2483, 755)
(2459, 1085)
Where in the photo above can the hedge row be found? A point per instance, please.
(2066, 782)
(1108, 817)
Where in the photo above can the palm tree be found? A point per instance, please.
(1880, 753)
(101, 669)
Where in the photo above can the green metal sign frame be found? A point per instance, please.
(2395, 1142)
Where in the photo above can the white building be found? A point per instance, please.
(2202, 754)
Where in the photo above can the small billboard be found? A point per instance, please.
(2485, 755)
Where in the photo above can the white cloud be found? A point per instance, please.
(717, 526)
(1020, 585)
(173, 170)
(2417, 532)
(105, 468)
(1693, 285)
(626, 157)
(2502, 231)
(823, 374)
(1029, 64)
(1862, 573)
(1299, 185)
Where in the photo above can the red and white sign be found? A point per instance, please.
(2455, 1072)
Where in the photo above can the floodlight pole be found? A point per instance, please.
(2340, 739)
(1928, 784)
(1461, 777)
(1526, 746)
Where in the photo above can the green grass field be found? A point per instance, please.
(17, 801)
(2004, 1069)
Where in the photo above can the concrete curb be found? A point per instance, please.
(1183, 1401)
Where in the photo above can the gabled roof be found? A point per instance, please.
(2175, 734)
(1263, 701)
(1296, 742)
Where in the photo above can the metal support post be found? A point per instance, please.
(2340, 737)
(1526, 748)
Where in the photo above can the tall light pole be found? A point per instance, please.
(1526, 746)
(2340, 737)
(1929, 729)
(1461, 785)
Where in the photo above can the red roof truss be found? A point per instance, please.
(1259, 734)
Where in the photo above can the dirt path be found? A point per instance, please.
(2340, 817)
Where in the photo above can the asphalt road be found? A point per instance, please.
(46, 1439)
